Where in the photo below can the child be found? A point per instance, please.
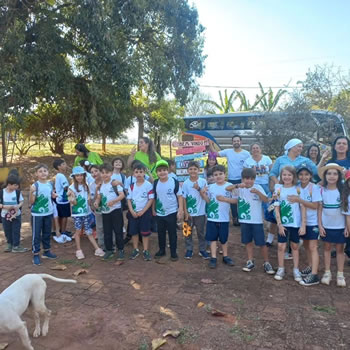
(40, 197)
(79, 197)
(118, 166)
(290, 221)
(109, 200)
(172, 169)
(218, 201)
(140, 199)
(168, 208)
(210, 177)
(331, 221)
(11, 202)
(194, 209)
(210, 164)
(310, 198)
(250, 198)
(94, 187)
(62, 202)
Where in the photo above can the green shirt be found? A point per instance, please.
(144, 158)
(93, 158)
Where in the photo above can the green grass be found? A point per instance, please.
(187, 335)
(326, 309)
(243, 334)
(82, 264)
(143, 346)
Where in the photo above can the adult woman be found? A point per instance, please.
(261, 164)
(84, 154)
(314, 153)
(146, 155)
(341, 152)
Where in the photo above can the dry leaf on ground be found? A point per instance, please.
(200, 304)
(80, 272)
(207, 281)
(135, 285)
(174, 334)
(157, 343)
(59, 267)
(227, 317)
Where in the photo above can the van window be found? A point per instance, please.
(217, 124)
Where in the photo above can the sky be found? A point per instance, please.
(274, 42)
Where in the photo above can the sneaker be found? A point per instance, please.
(341, 281)
(279, 274)
(36, 260)
(108, 255)
(49, 255)
(67, 238)
(326, 278)
(19, 249)
(174, 257)
(79, 254)
(121, 255)
(268, 268)
(67, 233)
(189, 254)
(204, 255)
(212, 263)
(99, 252)
(147, 255)
(60, 239)
(288, 256)
(159, 254)
(8, 249)
(306, 271)
(310, 280)
(228, 261)
(134, 254)
(249, 266)
(297, 275)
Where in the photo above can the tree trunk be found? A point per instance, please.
(57, 146)
(3, 144)
(141, 127)
(171, 150)
(158, 145)
(103, 143)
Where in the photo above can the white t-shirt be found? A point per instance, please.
(132, 179)
(82, 207)
(235, 161)
(290, 212)
(166, 199)
(43, 202)
(10, 198)
(140, 195)
(194, 202)
(108, 194)
(119, 177)
(262, 168)
(61, 183)
(311, 193)
(332, 216)
(89, 178)
(218, 211)
(250, 205)
(174, 176)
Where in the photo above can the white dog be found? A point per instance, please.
(15, 299)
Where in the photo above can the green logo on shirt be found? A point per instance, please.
(80, 207)
(103, 204)
(286, 213)
(243, 209)
(213, 209)
(41, 205)
(133, 204)
(191, 204)
(159, 207)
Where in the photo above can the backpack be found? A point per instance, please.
(18, 194)
(124, 202)
(176, 187)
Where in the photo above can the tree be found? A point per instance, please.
(225, 106)
(268, 101)
(196, 104)
(245, 103)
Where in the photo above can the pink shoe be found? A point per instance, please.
(79, 254)
(99, 252)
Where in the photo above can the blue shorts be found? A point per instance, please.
(63, 210)
(334, 236)
(312, 233)
(141, 224)
(253, 231)
(217, 230)
(292, 234)
(83, 222)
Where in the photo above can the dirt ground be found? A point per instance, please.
(127, 306)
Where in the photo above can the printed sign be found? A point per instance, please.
(190, 150)
(190, 143)
(190, 157)
(184, 164)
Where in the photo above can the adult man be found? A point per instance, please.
(235, 160)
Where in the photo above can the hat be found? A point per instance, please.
(290, 144)
(78, 170)
(322, 170)
(347, 175)
(304, 166)
(162, 162)
(87, 163)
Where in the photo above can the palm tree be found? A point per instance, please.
(269, 101)
(245, 104)
(226, 103)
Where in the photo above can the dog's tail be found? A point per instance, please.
(45, 275)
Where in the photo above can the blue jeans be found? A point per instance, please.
(12, 230)
(41, 232)
(234, 206)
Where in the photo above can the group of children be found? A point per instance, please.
(98, 196)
